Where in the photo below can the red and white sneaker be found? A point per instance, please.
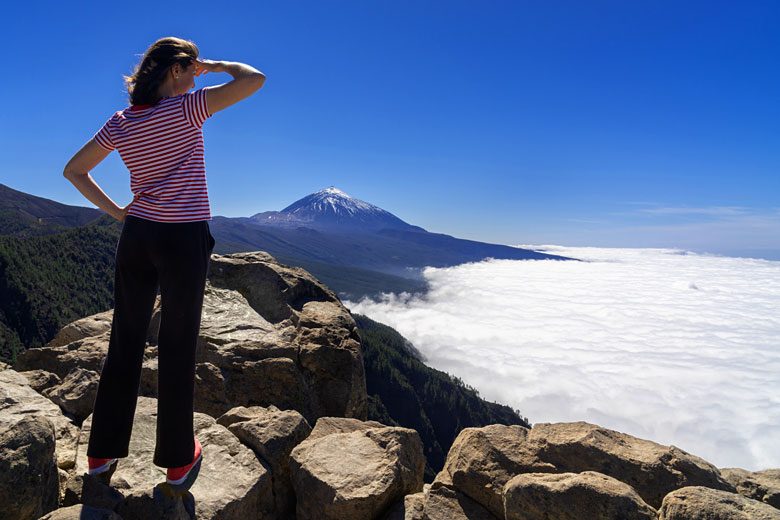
(184, 477)
(97, 466)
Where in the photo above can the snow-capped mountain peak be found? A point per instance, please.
(334, 210)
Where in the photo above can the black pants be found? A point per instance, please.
(173, 257)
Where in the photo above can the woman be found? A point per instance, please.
(165, 243)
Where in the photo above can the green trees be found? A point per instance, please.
(49, 281)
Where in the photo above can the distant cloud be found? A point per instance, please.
(715, 211)
(663, 344)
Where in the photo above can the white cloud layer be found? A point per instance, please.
(677, 348)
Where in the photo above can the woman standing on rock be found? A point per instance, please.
(165, 244)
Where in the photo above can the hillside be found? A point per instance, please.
(403, 391)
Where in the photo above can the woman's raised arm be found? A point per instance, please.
(246, 81)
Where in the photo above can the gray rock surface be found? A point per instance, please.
(18, 399)
(81, 512)
(763, 486)
(29, 480)
(272, 434)
(702, 503)
(572, 496)
(410, 508)
(482, 460)
(329, 425)
(76, 393)
(232, 483)
(40, 380)
(270, 334)
(356, 475)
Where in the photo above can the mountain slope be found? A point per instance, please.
(403, 391)
(22, 214)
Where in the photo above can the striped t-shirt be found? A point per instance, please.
(162, 146)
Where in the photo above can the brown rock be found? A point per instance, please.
(29, 481)
(329, 425)
(356, 475)
(445, 502)
(18, 400)
(702, 503)
(410, 508)
(81, 512)
(763, 486)
(270, 335)
(76, 394)
(232, 482)
(572, 496)
(40, 380)
(482, 460)
(272, 434)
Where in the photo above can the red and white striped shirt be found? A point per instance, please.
(162, 146)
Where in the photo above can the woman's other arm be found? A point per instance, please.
(77, 171)
(246, 81)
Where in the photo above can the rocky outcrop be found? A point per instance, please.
(482, 460)
(572, 496)
(233, 483)
(40, 380)
(270, 335)
(701, 503)
(356, 475)
(444, 500)
(763, 486)
(18, 400)
(29, 487)
(272, 434)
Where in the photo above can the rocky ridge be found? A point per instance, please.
(281, 408)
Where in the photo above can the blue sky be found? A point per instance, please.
(606, 123)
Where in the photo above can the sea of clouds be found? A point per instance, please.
(675, 347)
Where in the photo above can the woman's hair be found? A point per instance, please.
(150, 73)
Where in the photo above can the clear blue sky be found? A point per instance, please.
(608, 123)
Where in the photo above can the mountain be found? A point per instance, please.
(22, 214)
(331, 210)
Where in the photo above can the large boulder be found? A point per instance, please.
(763, 486)
(40, 380)
(572, 496)
(482, 460)
(270, 335)
(232, 484)
(272, 434)
(29, 481)
(356, 475)
(702, 503)
(18, 400)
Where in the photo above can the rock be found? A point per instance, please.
(702, 503)
(445, 502)
(572, 496)
(29, 480)
(763, 486)
(4, 366)
(81, 512)
(272, 434)
(410, 508)
(482, 460)
(356, 475)
(76, 394)
(90, 490)
(18, 400)
(270, 335)
(99, 324)
(158, 503)
(328, 425)
(232, 483)
(88, 327)
(40, 380)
